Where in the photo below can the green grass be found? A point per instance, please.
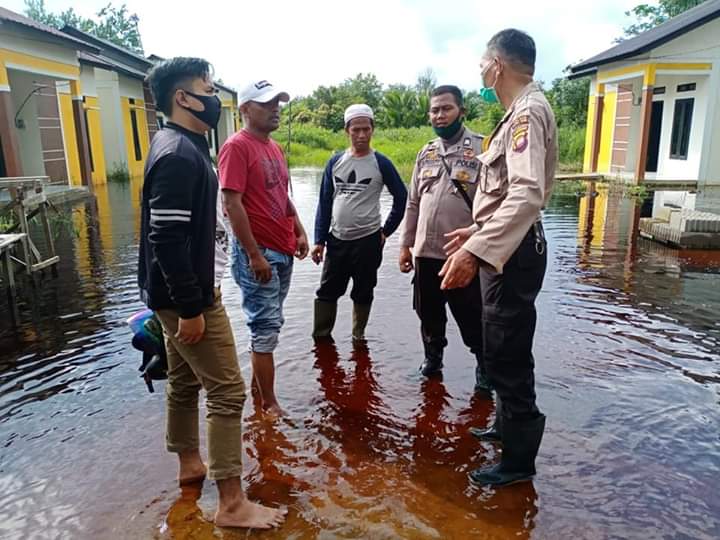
(312, 146)
(119, 173)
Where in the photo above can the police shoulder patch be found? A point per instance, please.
(519, 130)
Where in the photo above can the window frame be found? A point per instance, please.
(683, 112)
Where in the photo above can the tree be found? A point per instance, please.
(116, 25)
(426, 82)
(473, 105)
(403, 107)
(569, 100)
(363, 88)
(649, 16)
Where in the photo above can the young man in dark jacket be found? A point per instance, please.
(177, 279)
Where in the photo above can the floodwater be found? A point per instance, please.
(628, 373)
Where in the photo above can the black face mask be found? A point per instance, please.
(213, 107)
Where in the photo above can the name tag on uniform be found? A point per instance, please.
(467, 163)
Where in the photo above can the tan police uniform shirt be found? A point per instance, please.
(435, 206)
(516, 175)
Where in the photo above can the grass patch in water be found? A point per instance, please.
(119, 174)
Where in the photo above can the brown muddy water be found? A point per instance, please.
(628, 373)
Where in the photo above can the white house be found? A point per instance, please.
(654, 108)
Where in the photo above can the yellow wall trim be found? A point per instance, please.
(135, 167)
(94, 127)
(606, 133)
(42, 65)
(589, 133)
(4, 79)
(72, 156)
(648, 70)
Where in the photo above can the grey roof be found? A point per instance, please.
(669, 30)
(102, 61)
(15, 18)
(109, 48)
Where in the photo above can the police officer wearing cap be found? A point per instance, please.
(443, 185)
(507, 246)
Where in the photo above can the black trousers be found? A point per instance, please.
(429, 302)
(508, 322)
(345, 259)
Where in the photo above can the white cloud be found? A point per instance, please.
(300, 45)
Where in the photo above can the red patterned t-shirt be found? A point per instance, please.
(257, 169)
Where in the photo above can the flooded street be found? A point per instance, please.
(627, 368)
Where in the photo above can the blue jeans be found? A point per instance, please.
(262, 302)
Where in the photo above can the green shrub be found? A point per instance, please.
(313, 146)
(571, 142)
(119, 173)
(6, 223)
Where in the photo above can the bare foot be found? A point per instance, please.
(192, 468)
(274, 410)
(250, 515)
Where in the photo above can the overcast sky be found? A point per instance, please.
(302, 44)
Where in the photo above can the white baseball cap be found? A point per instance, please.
(358, 110)
(261, 92)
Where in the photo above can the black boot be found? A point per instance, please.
(433, 364)
(483, 388)
(521, 442)
(493, 433)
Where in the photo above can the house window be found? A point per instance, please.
(690, 87)
(135, 133)
(682, 123)
(658, 90)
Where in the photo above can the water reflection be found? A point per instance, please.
(628, 372)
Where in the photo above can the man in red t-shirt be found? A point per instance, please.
(268, 232)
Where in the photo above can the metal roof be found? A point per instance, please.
(669, 30)
(15, 18)
(105, 62)
(109, 48)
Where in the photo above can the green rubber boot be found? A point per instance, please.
(361, 315)
(324, 319)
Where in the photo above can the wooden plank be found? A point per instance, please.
(7, 240)
(579, 176)
(8, 274)
(44, 264)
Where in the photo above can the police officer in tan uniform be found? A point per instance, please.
(443, 185)
(507, 246)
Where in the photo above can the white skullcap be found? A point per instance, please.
(357, 111)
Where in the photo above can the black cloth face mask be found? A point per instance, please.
(210, 116)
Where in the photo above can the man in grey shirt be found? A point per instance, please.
(349, 235)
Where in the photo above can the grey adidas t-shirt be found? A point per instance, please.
(356, 198)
